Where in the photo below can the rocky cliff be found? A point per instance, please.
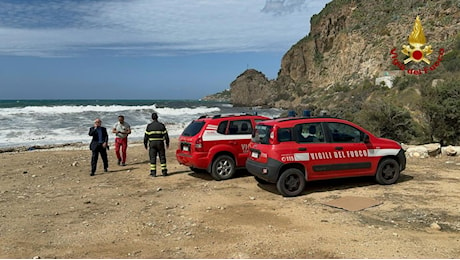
(251, 88)
(349, 42)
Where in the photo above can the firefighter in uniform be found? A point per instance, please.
(156, 136)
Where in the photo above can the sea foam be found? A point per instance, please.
(47, 124)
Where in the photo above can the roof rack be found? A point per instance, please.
(303, 117)
(228, 115)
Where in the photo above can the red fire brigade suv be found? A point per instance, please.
(217, 144)
(291, 151)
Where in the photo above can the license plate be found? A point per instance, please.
(255, 155)
(185, 148)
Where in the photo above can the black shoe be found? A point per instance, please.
(91, 174)
(105, 170)
(123, 164)
(119, 162)
(165, 173)
(153, 173)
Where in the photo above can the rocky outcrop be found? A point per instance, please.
(251, 88)
(223, 96)
(349, 42)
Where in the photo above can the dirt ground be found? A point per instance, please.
(51, 208)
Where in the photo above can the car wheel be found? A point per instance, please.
(223, 168)
(261, 181)
(388, 172)
(291, 182)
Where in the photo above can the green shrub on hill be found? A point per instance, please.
(415, 110)
(441, 105)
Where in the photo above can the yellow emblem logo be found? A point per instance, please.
(417, 40)
(416, 51)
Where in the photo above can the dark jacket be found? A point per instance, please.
(156, 132)
(95, 141)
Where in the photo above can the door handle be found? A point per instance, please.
(302, 149)
(339, 148)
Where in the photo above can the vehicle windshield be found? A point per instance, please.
(261, 134)
(193, 128)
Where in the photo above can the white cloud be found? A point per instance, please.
(146, 27)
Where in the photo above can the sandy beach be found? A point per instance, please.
(51, 208)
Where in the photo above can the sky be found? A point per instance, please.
(143, 49)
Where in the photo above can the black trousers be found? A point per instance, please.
(157, 148)
(94, 157)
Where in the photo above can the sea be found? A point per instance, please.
(33, 123)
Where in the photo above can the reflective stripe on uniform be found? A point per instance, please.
(156, 139)
(156, 132)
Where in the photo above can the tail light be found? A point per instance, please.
(199, 144)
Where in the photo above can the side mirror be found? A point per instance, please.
(366, 139)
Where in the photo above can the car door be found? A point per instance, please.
(312, 150)
(349, 151)
(240, 131)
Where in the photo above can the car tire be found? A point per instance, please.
(223, 168)
(388, 172)
(291, 182)
(261, 181)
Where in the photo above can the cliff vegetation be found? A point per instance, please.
(351, 65)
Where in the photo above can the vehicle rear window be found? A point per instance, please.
(261, 134)
(193, 128)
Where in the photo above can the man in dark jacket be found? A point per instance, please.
(98, 145)
(155, 138)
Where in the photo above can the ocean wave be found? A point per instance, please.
(53, 123)
(26, 137)
(70, 109)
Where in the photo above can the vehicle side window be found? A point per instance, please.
(343, 133)
(222, 127)
(309, 133)
(284, 135)
(240, 127)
